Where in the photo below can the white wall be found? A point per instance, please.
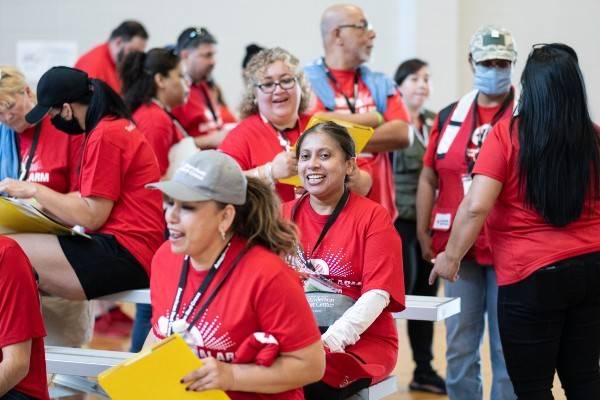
(435, 30)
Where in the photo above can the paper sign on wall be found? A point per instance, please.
(34, 57)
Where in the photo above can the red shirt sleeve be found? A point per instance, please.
(396, 109)
(383, 268)
(21, 316)
(290, 321)
(236, 145)
(493, 158)
(429, 156)
(101, 169)
(159, 134)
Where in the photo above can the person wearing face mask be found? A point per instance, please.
(124, 221)
(456, 138)
(103, 61)
(42, 154)
(202, 115)
(344, 88)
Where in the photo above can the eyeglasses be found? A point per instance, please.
(269, 87)
(362, 25)
(495, 63)
(197, 34)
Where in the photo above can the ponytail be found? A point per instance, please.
(138, 84)
(259, 220)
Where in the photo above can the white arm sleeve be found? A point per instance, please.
(348, 328)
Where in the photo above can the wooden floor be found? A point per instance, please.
(403, 370)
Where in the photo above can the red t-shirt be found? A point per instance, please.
(254, 142)
(362, 251)
(117, 164)
(450, 171)
(195, 115)
(376, 164)
(521, 241)
(160, 131)
(99, 64)
(21, 315)
(56, 159)
(261, 295)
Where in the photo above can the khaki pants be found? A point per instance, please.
(68, 323)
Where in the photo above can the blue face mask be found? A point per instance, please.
(491, 80)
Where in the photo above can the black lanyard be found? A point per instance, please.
(174, 119)
(330, 220)
(495, 119)
(284, 142)
(200, 292)
(36, 138)
(351, 105)
(208, 103)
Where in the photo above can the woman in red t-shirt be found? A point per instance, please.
(124, 221)
(538, 178)
(220, 281)
(349, 244)
(273, 117)
(153, 84)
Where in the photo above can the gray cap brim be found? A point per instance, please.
(179, 191)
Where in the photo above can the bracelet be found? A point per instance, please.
(380, 119)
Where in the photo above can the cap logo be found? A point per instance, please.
(192, 171)
(495, 38)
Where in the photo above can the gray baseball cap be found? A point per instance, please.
(207, 175)
(492, 43)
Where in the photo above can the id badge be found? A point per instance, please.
(467, 179)
(442, 221)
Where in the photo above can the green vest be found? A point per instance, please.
(407, 164)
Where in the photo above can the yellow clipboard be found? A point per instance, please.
(19, 216)
(360, 134)
(155, 374)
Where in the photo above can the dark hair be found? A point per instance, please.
(193, 37)
(407, 68)
(259, 220)
(336, 132)
(251, 50)
(102, 101)
(559, 144)
(127, 30)
(137, 73)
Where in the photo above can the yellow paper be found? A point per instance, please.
(155, 374)
(18, 216)
(360, 134)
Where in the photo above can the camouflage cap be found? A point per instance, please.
(491, 42)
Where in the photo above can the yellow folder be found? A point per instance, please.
(360, 134)
(20, 216)
(155, 374)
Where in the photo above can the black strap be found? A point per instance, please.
(208, 103)
(36, 138)
(330, 220)
(201, 290)
(351, 106)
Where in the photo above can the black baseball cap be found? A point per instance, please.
(57, 86)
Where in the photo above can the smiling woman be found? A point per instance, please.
(273, 110)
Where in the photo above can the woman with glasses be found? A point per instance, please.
(272, 109)
(455, 142)
(537, 181)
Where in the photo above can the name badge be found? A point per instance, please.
(442, 221)
(467, 179)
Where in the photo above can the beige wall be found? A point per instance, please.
(436, 30)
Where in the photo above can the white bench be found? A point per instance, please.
(73, 364)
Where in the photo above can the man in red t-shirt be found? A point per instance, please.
(22, 358)
(205, 115)
(103, 60)
(346, 89)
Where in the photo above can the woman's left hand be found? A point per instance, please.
(212, 375)
(18, 189)
(444, 267)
